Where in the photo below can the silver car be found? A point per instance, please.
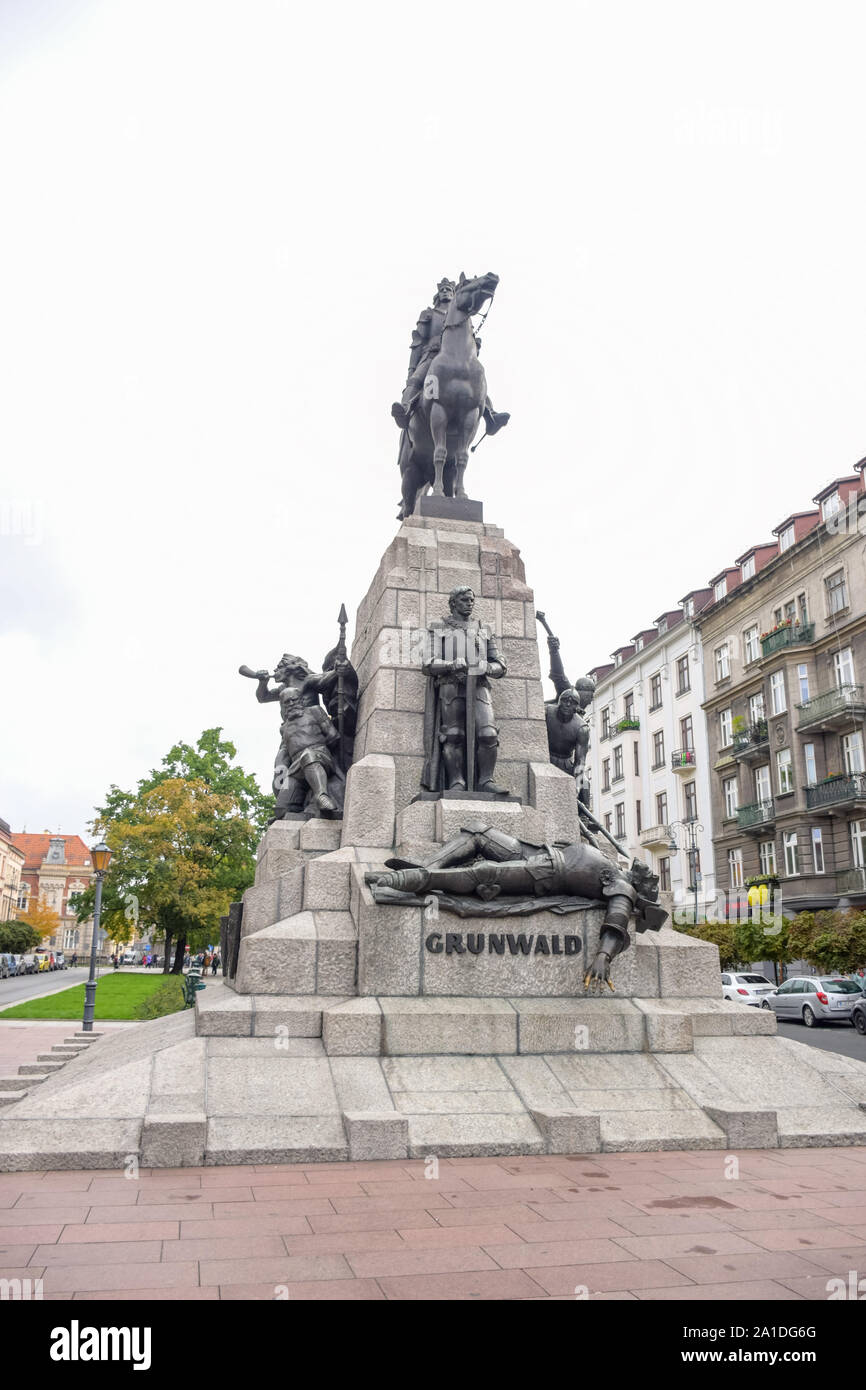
(814, 999)
(745, 987)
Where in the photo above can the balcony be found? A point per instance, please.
(629, 721)
(833, 708)
(756, 816)
(837, 791)
(850, 881)
(751, 743)
(683, 760)
(788, 635)
(655, 837)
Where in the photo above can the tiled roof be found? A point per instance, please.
(35, 850)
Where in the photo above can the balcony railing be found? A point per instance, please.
(789, 635)
(839, 703)
(683, 759)
(759, 813)
(751, 740)
(851, 881)
(629, 721)
(835, 790)
(655, 835)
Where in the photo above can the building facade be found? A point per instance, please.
(784, 650)
(55, 867)
(648, 755)
(11, 864)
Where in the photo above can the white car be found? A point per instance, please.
(747, 988)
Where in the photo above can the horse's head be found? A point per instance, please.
(471, 295)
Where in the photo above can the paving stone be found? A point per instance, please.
(623, 1132)
(31, 1144)
(361, 1086)
(444, 1074)
(262, 1086)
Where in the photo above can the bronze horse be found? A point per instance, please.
(435, 448)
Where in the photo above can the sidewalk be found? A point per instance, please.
(678, 1226)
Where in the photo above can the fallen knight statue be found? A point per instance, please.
(484, 872)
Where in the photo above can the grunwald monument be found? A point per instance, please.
(442, 953)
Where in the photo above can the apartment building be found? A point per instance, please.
(55, 868)
(784, 654)
(11, 864)
(648, 753)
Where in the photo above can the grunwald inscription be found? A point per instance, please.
(502, 943)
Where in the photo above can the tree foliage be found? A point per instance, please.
(18, 937)
(41, 917)
(183, 846)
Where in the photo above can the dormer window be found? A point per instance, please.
(662, 624)
(617, 660)
(720, 590)
(786, 539)
(56, 851)
(638, 644)
(689, 608)
(749, 568)
(830, 506)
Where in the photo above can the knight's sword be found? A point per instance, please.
(470, 711)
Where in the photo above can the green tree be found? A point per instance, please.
(19, 937)
(183, 846)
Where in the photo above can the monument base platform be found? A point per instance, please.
(276, 1080)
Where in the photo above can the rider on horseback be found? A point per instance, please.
(426, 341)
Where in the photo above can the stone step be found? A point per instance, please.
(276, 1139)
(221, 1012)
(11, 1097)
(311, 952)
(40, 1068)
(68, 1049)
(51, 1057)
(85, 1037)
(14, 1083)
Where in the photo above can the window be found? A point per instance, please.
(720, 589)
(809, 763)
(637, 818)
(617, 763)
(767, 857)
(730, 791)
(843, 667)
(726, 728)
(658, 749)
(665, 875)
(803, 605)
(661, 808)
(689, 608)
(619, 812)
(803, 682)
(792, 862)
(777, 616)
(23, 898)
(748, 568)
(607, 822)
(735, 868)
(638, 644)
(617, 658)
(778, 699)
(785, 771)
(655, 690)
(662, 625)
(831, 505)
(690, 801)
(723, 662)
(605, 722)
(756, 707)
(817, 850)
(852, 752)
(763, 793)
(687, 737)
(837, 594)
(786, 539)
(751, 649)
(790, 611)
(628, 705)
(683, 675)
(605, 775)
(857, 831)
(636, 748)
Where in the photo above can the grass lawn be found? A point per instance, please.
(117, 997)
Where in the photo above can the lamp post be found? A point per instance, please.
(692, 829)
(101, 858)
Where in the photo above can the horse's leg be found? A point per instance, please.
(439, 431)
(467, 434)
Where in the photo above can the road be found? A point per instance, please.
(830, 1037)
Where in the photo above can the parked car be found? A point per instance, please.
(8, 967)
(30, 963)
(814, 999)
(60, 962)
(747, 988)
(43, 959)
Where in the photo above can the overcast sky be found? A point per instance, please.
(219, 223)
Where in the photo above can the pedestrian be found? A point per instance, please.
(74, 959)
(214, 964)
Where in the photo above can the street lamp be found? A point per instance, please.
(692, 829)
(101, 858)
